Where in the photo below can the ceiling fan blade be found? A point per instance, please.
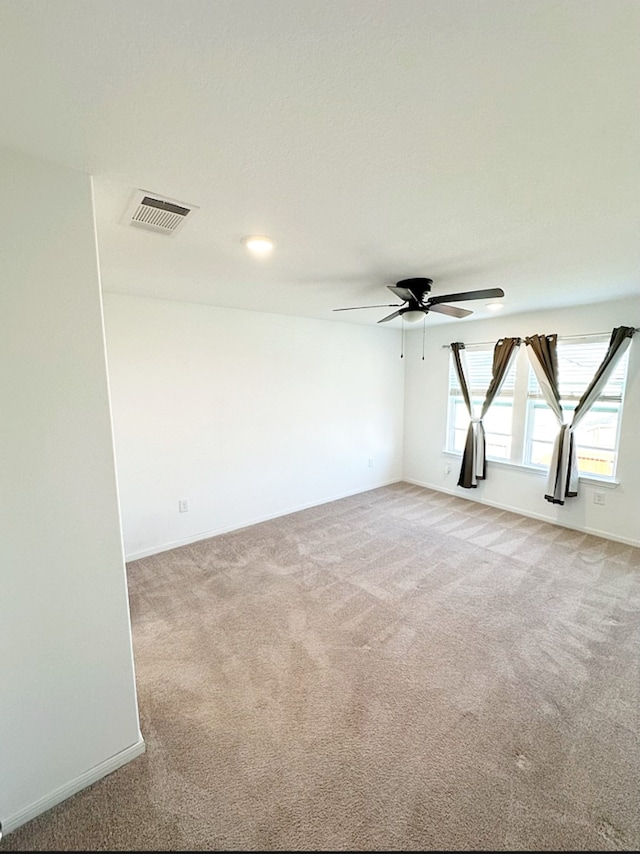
(489, 293)
(451, 310)
(390, 316)
(357, 307)
(403, 293)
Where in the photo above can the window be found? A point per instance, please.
(597, 434)
(520, 428)
(497, 421)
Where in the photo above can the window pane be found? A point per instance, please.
(540, 454)
(479, 364)
(498, 446)
(461, 416)
(592, 461)
(595, 437)
(459, 437)
(497, 428)
(497, 425)
(497, 422)
(577, 364)
(544, 424)
(498, 418)
(598, 429)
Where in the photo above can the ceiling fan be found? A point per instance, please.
(416, 303)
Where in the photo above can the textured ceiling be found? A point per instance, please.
(481, 144)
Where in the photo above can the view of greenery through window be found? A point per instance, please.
(532, 443)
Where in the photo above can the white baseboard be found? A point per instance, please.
(12, 822)
(627, 541)
(205, 535)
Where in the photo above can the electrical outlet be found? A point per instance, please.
(447, 468)
(183, 505)
(598, 497)
(370, 462)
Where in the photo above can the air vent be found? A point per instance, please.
(157, 213)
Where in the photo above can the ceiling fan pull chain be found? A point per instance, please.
(424, 329)
(402, 341)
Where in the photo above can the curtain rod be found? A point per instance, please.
(560, 338)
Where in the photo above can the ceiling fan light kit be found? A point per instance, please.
(417, 303)
(413, 316)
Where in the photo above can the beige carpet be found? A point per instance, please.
(398, 670)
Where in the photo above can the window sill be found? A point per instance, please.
(607, 482)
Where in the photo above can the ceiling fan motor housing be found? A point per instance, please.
(418, 287)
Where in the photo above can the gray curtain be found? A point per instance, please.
(474, 464)
(562, 481)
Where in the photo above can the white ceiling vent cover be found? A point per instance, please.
(157, 213)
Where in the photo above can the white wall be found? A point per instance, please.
(68, 702)
(509, 487)
(246, 415)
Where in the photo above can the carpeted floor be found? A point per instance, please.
(401, 670)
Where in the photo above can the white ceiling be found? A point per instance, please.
(481, 143)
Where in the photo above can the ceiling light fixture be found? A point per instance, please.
(494, 306)
(258, 244)
(413, 316)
